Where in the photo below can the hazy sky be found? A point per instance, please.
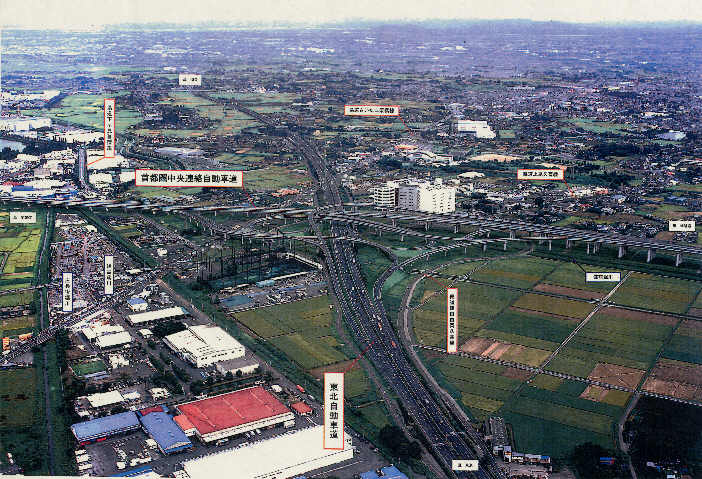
(81, 13)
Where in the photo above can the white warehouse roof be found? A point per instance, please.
(105, 399)
(204, 345)
(157, 315)
(109, 340)
(287, 455)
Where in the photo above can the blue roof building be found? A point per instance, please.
(164, 430)
(389, 472)
(103, 427)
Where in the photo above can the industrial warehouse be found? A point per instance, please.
(204, 345)
(234, 413)
(104, 427)
(287, 455)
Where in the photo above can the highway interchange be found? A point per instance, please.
(365, 316)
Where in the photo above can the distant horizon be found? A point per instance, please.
(350, 23)
(82, 14)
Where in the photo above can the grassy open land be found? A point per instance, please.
(88, 110)
(372, 262)
(657, 293)
(521, 272)
(229, 121)
(258, 98)
(594, 126)
(302, 330)
(273, 178)
(153, 192)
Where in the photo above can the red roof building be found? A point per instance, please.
(301, 408)
(235, 413)
(184, 423)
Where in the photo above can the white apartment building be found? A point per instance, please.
(416, 196)
(426, 197)
(385, 196)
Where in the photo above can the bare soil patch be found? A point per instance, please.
(335, 368)
(477, 345)
(616, 375)
(639, 316)
(515, 373)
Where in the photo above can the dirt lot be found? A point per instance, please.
(671, 388)
(476, 345)
(330, 368)
(494, 349)
(515, 373)
(616, 375)
(678, 371)
(575, 293)
(639, 315)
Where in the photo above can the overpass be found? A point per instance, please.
(593, 239)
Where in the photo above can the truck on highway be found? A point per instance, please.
(300, 388)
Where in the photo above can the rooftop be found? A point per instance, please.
(105, 425)
(259, 458)
(232, 409)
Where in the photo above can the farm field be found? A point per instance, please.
(476, 305)
(460, 269)
(676, 378)
(532, 324)
(17, 397)
(614, 336)
(20, 244)
(657, 293)
(521, 272)
(594, 126)
(17, 325)
(481, 387)
(571, 279)
(686, 343)
(566, 308)
(302, 330)
(551, 416)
